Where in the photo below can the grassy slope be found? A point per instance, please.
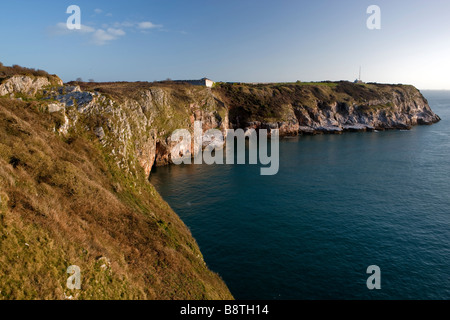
(63, 203)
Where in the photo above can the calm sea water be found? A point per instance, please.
(338, 205)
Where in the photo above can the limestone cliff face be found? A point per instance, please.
(134, 121)
(28, 85)
(136, 129)
(404, 109)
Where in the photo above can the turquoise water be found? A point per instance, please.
(339, 204)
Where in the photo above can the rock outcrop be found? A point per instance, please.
(28, 85)
(327, 107)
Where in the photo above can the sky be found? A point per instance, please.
(232, 40)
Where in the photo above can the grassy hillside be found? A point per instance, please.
(63, 202)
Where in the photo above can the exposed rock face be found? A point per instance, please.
(137, 131)
(402, 113)
(135, 125)
(327, 107)
(146, 153)
(25, 84)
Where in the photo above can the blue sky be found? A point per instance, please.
(233, 40)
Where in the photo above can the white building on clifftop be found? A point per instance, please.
(202, 82)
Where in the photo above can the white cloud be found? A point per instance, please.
(86, 29)
(101, 37)
(116, 32)
(125, 24)
(61, 29)
(97, 36)
(98, 11)
(107, 32)
(145, 25)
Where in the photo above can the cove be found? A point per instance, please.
(338, 205)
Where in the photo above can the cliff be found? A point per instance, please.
(142, 116)
(326, 107)
(65, 200)
(75, 161)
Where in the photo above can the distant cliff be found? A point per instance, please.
(139, 118)
(75, 160)
(326, 107)
(134, 121)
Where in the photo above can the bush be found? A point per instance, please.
(6, 72)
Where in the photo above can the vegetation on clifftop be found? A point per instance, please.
(16, 70)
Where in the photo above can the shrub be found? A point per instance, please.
(6, 72)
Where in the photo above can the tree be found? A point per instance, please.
(91, 80)
(79, 80)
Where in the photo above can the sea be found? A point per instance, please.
(338, 205)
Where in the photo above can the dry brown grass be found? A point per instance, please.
(18, 70)
(63, 203)
(121, 90)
